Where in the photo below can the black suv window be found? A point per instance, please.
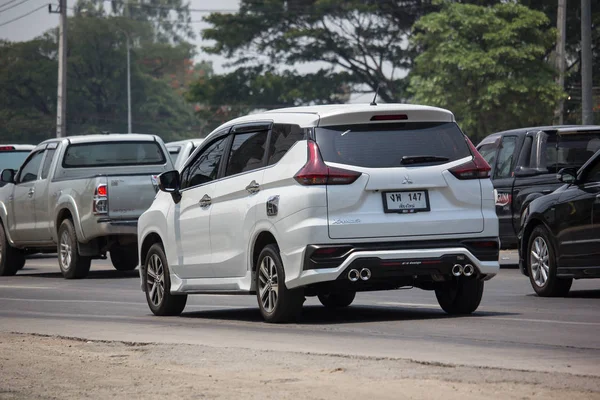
(205, 166)
(384, 145)
(506, 157)
(247, 152)
(570, 150)
(30, 169)
(283, 137)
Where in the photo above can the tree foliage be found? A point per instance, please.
(486, 64)
(367, 39)
(97, 82)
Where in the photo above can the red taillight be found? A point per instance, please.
(315, 172)
(101, 190)
(389, 117)
(7, 148)
(477, 168)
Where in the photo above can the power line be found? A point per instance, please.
(24, 15)
(13, 6)
(7, 3)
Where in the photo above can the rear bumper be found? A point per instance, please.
(399, 263)
(110, 227)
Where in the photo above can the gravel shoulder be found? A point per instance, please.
(42, 367)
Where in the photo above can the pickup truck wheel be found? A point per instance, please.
(541, 263)
(158, 284)
(11, 259)
(277, 303)
(460, 297)
(72, 265)
(124, 258)
(337, 299)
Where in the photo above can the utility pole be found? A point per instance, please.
(61, 100)
(586, 63)
(128, 87)
(561, 24)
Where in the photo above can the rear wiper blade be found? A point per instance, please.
(422, 159)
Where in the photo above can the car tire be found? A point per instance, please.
(460, 297)
(11, 259)
(71, 263)
(337, 299)
(124, 258)
(541, 266)
(157, 283)
(277, 303)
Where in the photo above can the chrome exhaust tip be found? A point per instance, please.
(365, 274)
(457, 270)
(353, 275)
(468, 270)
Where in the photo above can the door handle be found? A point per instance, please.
(253, 187)
(205, 201)
(31, 192)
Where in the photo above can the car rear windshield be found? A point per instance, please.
(110, 154)
(12, 159)
(385, 145)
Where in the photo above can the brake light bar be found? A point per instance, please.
(7, 148)
(316, 172)
(389, 117)
(477, 168)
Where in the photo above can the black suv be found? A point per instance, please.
(524, 165)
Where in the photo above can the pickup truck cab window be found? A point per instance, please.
(31, 168)
(205, 166)
(505, 157)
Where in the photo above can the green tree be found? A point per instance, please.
(97, 83)
(486, 64)
(367, 39)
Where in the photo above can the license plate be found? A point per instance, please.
(406, 201)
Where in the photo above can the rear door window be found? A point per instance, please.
(385, 145)
(112, 154)
(247, 152)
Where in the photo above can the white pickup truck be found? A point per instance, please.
(81, 197)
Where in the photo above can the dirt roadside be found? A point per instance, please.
(37, 367)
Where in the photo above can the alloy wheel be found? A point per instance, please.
(539, 260)
(155, 280)
(65, 250)
(268, 284)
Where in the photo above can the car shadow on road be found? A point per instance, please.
(317, 315)
(103, 274)
(584, 294)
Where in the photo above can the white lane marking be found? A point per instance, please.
(110, 302)
(542, 321)
(26, 287)
(419, 305)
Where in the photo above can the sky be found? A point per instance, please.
(41, 20)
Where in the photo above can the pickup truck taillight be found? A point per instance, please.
(477, 168)
(100, 205)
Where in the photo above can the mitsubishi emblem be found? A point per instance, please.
(406, 180)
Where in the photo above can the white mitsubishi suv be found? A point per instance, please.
(324, 201)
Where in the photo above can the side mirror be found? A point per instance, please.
(8, 176)
(170, 182)
(567, 175)
(523, 172)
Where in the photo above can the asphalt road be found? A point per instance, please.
(513, 328)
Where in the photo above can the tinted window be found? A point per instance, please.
(205, 166)
(247, 152)
(30, 169)
(105, 154)
(12, 159)
(488, 151)
(384, 145)
(47, 162)
(593, 173)
(505, 157)
(283, 137)
(570, 150)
